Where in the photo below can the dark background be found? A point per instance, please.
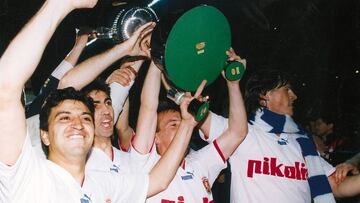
(317, 41)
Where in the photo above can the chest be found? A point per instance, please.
(186, 187)
(263, 154)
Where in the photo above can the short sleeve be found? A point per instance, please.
(207, 162)
(143, 162)
(218, 125)
(12, 177)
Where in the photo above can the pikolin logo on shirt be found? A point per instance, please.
(272, 168)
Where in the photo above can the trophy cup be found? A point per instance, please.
(124, 22)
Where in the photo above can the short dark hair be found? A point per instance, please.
(260, 83)
(54, 99)
(166, 106)
(97, 85)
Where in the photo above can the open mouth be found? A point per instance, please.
(107, 123)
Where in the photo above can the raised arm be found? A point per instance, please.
(88, 70)
(236, 131)
(52, 82)
(146, 124)
(165, 169)
(124, 131)
(121, 81)
(18, 63)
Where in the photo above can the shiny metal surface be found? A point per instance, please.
(125, 23)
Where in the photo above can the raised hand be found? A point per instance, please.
(233, 57)
(124, 75)
(137, 42)
(185, 115)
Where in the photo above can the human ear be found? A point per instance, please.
(44, 135)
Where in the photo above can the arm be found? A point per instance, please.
(348, 188)
(165, 169)
(121, 81)
(123, 128)
(88, 70)
(237, 129)
(15, 72)
(236, 132)
(52, 81)
(146, 124)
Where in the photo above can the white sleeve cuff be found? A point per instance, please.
(61, 69)
(118, 96)
(218, 125)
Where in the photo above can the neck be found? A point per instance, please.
(104, 143)
(76, 166)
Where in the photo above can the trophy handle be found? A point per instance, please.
(234, 70)
(198, 108)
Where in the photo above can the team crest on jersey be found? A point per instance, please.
(206, 184)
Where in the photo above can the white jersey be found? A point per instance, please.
(193, 180)
(99, 160)
(35, 180)
(263, 170)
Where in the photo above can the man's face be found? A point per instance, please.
(168, 124)
(322, 128)
(104, 113)
(71, 130)
(280, 100)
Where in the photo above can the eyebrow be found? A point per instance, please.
(105, 100)
(68, 112)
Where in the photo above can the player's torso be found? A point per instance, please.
(267, 168)
(186, 187)
(98, 160)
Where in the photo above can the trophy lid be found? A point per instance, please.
(195, 48)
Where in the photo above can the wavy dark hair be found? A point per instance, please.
(260, 83)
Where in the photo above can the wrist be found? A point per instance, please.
(189, 122)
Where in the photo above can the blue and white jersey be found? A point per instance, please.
(267, 167)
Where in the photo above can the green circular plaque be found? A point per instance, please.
(195, 48)
(234, 71)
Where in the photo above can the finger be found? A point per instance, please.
(139, 31)
(125, 73)
(122, 80)
(200, 88)
(129, 72)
